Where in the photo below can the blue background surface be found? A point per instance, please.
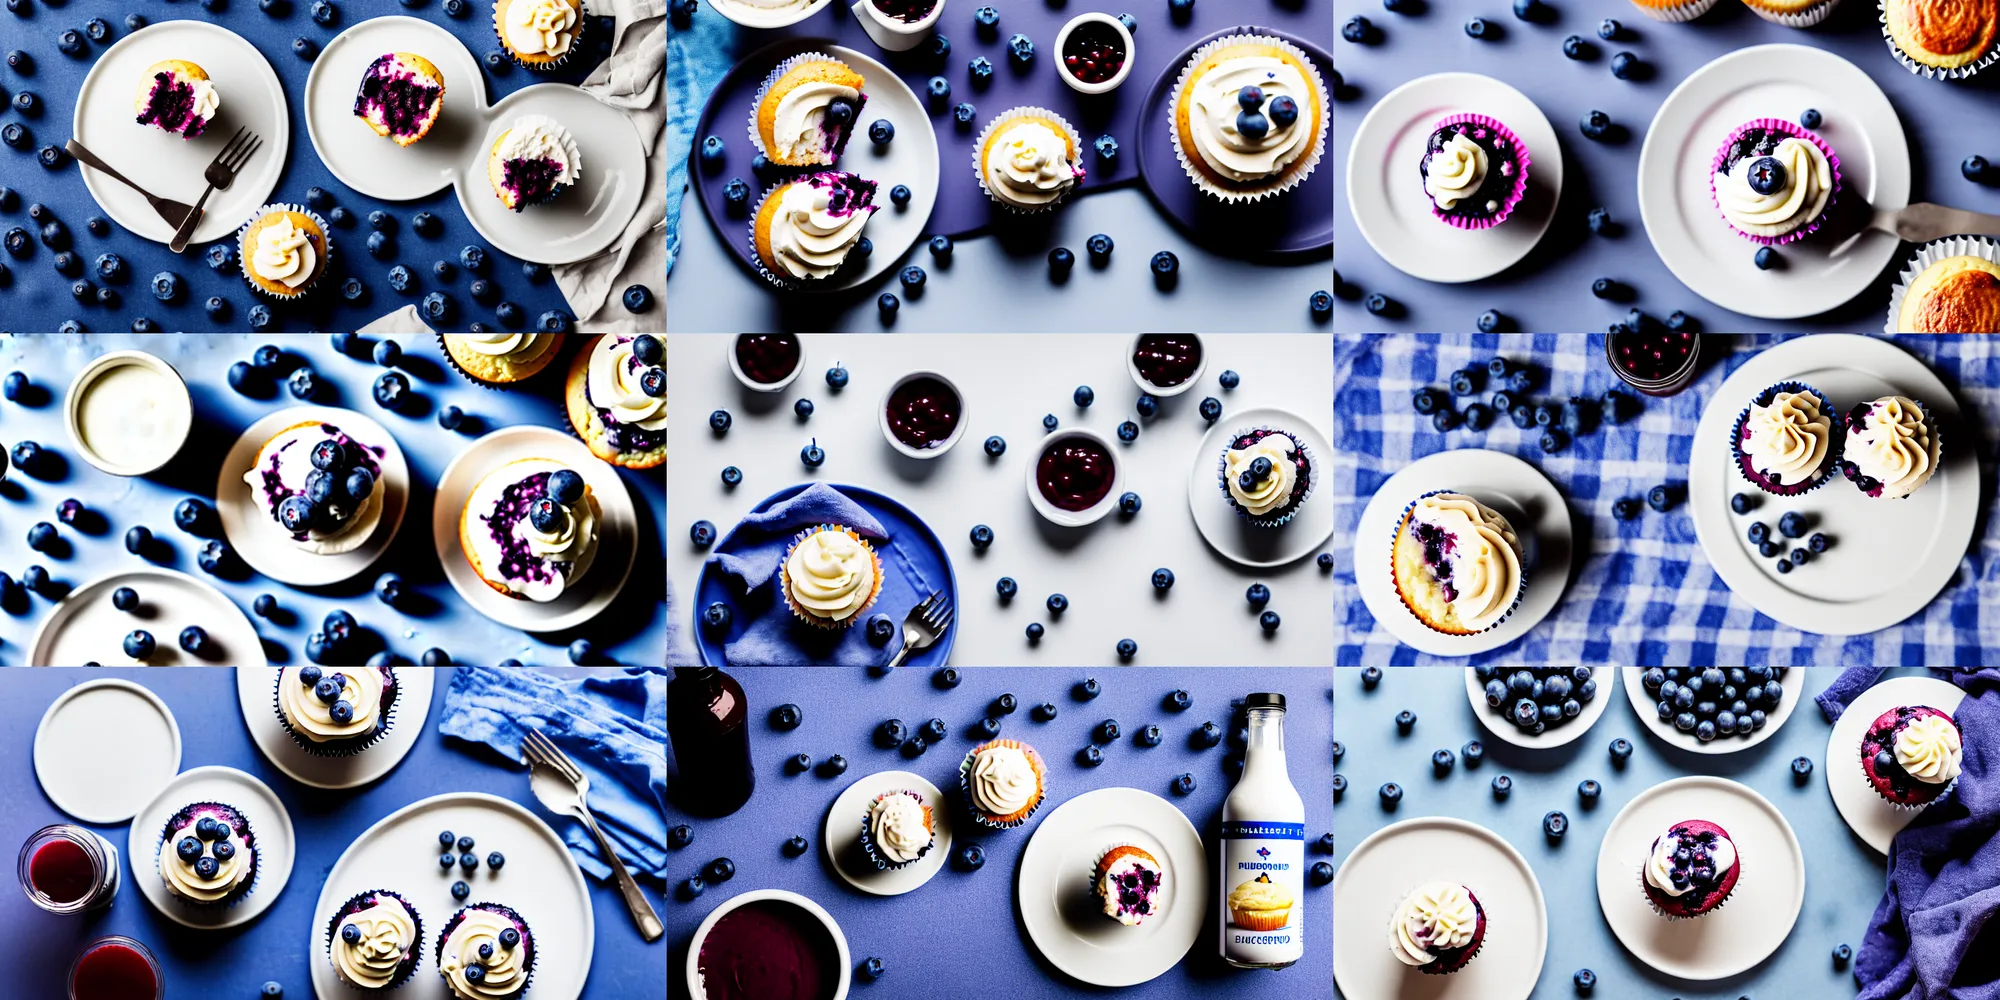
(961, 927)
(1550, 289)
(37, 947)
(40, 297)
(632, 630)
(1844, 876)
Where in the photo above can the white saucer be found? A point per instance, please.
(1870, 816)
(840, 837)
(581, 222)
(1678, 207)
(270, 824)
(618, 529)
(1643, 704)
(1889, 558)
(1398, 858)
(1225, 530)
(255, 693)
(1519, 491)
(1387, 194)
(1748, 927)
(168, 165)
(372, 164)
(264, 544)
(104, 781)
(752, 17)
(1568, 732)
(1061, 913)
(540, 881)
(85, 628)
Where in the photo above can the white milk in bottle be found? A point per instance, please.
(1263, 850)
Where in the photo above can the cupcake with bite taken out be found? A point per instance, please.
(806, 110)
(1129, 884)
(1458, 565)
(530, 529)
(616, 398)
(176, 97)
(401, 97)
(1912, 754)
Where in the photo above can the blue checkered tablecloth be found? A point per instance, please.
(1646, 593)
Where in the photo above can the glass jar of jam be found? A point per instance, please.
(1655, 362)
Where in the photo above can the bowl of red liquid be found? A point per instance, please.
(68, 869)
(922, 415)
(767, 362)
(1075, 477)
(1166, 364)
(1094, 53)
(116, 968)
(1655, 362)
(768, 944)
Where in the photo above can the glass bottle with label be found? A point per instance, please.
(1262, 893)
(708, 721)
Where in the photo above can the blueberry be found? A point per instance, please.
(1099, 246)
(1621, 749)
(1184, 784)
(1502, 786)
(1554, 825)
(425, 224)
(136, 540)
(887, 304)
(124, 598)
(1209, 735)
(1357, 30)
(982, 536)
(995, 445)
(1211, 408)
(1165, 264)
(1128, 431)
(702, 534)
(194, 640)
(1766, 258)
(1106, 146)
(1478, 417)
(1490, 321)
(1060, 261)
(912, 277)
(1442, 761)
(1034, 631)
(1057, 604)
(1477, 28)
(1553, 440)
(1588, 790)
(1474, 752)
(1661, 498)
(1129, 503)
(1325, 561)
(470, 862)
(1083, 396)
(1258, 595)
(1624, 65)
(1377, 304)
(1585, 980)
(812, 455)
(1974, 168)
(139, 644)
(393, 387)
(1595, 125)
(1625, 509)
(1007, 588)
(1842, 955)
(1391, 793)
(1817, 543)
(1372, 676)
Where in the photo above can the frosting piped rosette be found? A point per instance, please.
(486, 952)
(1028, 160)
(1787, 440)
(373, 941)
(1458, 565)
(1774, 181)
(804, 230)
(1437, 928)
(1892, 447)
(1265, 475)
(1912, 754)
(897, 830)
(208, 855)
(1475, 171)
(336, 712)
(1004, 782)
(830, 576)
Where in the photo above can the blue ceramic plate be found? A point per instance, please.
(913, 540)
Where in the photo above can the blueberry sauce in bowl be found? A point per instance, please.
(1167, 364)
(923, 414)
(906, 11)
(1093, 52)
(766, 362)
(1075, 474)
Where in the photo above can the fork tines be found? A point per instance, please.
(238, 151)
(540, 748)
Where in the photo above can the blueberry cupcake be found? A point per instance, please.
(320, 486)
(540, 34)
(176, 97)
(208, 855)
(1437, 928)
(530, 529)
(283, 250)
(616, 397)
(1129, 884)
(804, 230)
(1942, 39)
(532, 162)
(1787, 442)
(1792, 13)
(1266, 475)
(1912, 754)
(500, 360)
(1004, 782)
(336, 713)
(896, 830)
(1690, 870)
(1891, 447)
(1028, 160)
(1948, 286)
(1250, 117)
(374, 941)
(486, 952)
(1475, 170)
(1458, 565)
(401, 97)
(806, 109)
(1773, 181)
(830, 577)
(1674, 10)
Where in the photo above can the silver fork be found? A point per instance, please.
(173, 211)
(220, 172)
(565, 789)
(924, 625)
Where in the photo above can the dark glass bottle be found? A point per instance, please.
(708, 720)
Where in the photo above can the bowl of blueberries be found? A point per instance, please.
(1539, 707)
(1714, 709)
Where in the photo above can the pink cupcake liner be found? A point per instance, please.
(1795, 131)
(1523, 160)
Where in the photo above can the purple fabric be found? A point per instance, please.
(1845, 688)
(760, 541)
(762, 537)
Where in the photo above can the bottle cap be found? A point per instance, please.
(1264, 699)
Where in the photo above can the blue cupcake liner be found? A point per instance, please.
(874, 850)
(1836, 439)
(1285, 513)
(1396, 533)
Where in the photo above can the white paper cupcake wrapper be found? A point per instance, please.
(325, 250)
(1012, 114)
(757, 103)
(1931, 253)
(1803, 19)
(1687, 11)
(1935, 72)
(1289, 180)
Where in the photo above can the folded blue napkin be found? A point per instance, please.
(1936, 933)
(698, 57)
(614, 726)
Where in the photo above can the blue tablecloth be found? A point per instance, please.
(700, 52)
(1645, 594)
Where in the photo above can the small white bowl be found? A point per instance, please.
(1132, 366)
(757, 895)
(1093, 513)
(894, 34)
(1062, 39)
(166, 420)
(750, 17)
(736, 369)
(882, 417)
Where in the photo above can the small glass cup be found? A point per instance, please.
(116, 968)
(67, 869)
(1655, 362)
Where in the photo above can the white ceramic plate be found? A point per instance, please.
(1504, 731)
(1400, 857)
(269, 823)
(1889, 558)
(840, 837)
(255, 694)
(1647, 709)
(372, 164)
(1749, 926)
(106, 781)
(168, 165)
(751, 17)
(1385, 192)
(85, 628)
(1519, 491)
(580, 222)
(541, 882)
(1225, 530)
(618, 529)
(1870, 816)
(264, 544)
(1062, 915)
(1771, 81)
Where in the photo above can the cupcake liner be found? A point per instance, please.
(1928, 254)
(785, 588)
(965, 785)
(757, 104)
(1936, 453)
(1836, 439)
(527, 940)
(785, 281)
(482, 383)
(1928, 71)
(1798, 132)
(1520, 175)
(1292, 177)
(582, 31)
(243, 891)
(1289, 510)
(1519, 592)
(408, 967)
(874, 850)
(570, 148)
(1906, 807)
(1803, 19)
(1686, 10)
(1013, 114)
(325, 251)
(353, 745)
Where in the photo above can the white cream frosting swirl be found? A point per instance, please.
(807, 238)
(506, 971)
(614, 385)
(1272, 491)
(1437, 917)
(1660, 864)
(313, 718)
(798, 129)
(537, 27)
(538, 138)
(207, 100)
(830, 575)
(292, 451)
(511, 346)
(285, 253)
(1930, 749)
(180, 876)
(1485, 557)
(574, 541)
(1894, 446)
(388, 934)
(1453, 173)
(1228, 151)
(896, 823)
(1808, 185)
(1788, 439)
(1028, 164)
(1002, 780)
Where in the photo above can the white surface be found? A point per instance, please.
(256, 694)
(1771, 81)
(840, 836)
(270, 828)
(1062, 915)
(541, 882)
(617, 529)
(1398, 858)
(85, 628)
(1889, 558)
(372, 164)
(581, 221)
(1010, 381)
(1749, 926)
(1227, 531)
(1519, 491)
(168, 165)
(693, 967)
(106, 781)
(1871, 817)
(1647, 708)
(1386, 191)
(264, 544)
(1497, 726)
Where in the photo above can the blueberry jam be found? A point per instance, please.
(400, 100)
(1167, 359)
(834, 136)
(767, 357)
(1651, 357)
(907, 11)
(1136, 889)
(1694, 866)
(516, 561)
(171, 107)
(1752, 143)
(1093, 53)
(531, 181)
(1074, 473)
(625, 437)
(923, 412)
(768, 950)
(1438, 545)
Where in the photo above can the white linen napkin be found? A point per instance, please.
(404, 320)
(630, 80)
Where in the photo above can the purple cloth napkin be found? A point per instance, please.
(1934, 936)
(772, 635)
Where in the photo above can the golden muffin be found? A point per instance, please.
(796, 123)
(1954, 295)
(1945, 34)
(284, 251)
